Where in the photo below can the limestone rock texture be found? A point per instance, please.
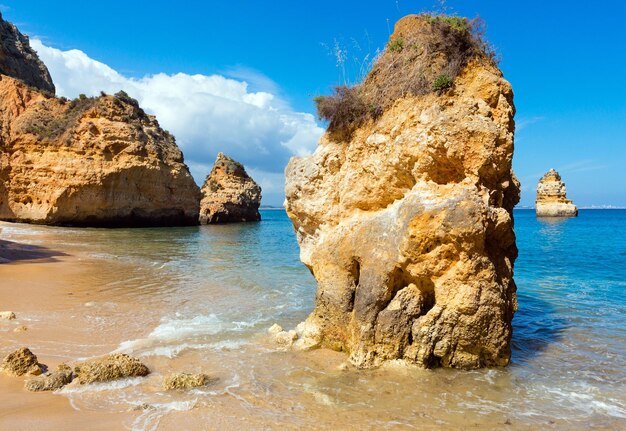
(19, 60)
(181, 381)
(229, 194)
(108, 368)
(21, 362)
(551, 197)
(89, 162)
(407, 227)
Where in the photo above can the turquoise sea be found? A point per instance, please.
(202, 298)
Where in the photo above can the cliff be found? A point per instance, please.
(404, 214)
(551, 197)
(86, 162)
(229, 194)
(19, 60)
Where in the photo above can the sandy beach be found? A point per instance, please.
(35, 283)
(85, 293)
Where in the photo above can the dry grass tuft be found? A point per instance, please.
(46, 125)
(424, 55)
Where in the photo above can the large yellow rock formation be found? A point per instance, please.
(99, 161)
(408, 227)
(90, 161)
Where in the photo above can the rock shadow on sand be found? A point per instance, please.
(11, 252)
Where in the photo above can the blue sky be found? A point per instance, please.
(565, 60)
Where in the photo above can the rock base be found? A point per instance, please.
(556, 210)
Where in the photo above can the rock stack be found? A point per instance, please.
(551, 197)
(406, 222)
(229, 194)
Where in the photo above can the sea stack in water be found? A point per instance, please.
(551, 197)
(90, 161)
(229, 194)
(404, 212)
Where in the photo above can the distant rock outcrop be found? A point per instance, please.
(551, 197)
(406, 221)
(229, 194)
(19, 60)
(86, 162)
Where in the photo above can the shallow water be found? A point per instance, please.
(201, 299)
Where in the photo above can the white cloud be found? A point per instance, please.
(207, 114)
(523, 122)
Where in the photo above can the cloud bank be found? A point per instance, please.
(206, 113)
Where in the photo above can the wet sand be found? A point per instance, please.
(35, 283)
(88, 295)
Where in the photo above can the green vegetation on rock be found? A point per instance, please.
(442, 82)
(396, 45)
(46, 125)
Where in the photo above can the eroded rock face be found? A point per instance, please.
(89, 162)
(19, 60)
(110, 367)
(551, 197)
(408, 229)
(20, 363)
(229, 194)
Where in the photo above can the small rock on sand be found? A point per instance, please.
(282, 337)
(142, 407)
(50, 381)
(7, 315)
(21, 329)
(110, 367)
(186, 381)
(286, 338)
(21, 362)
(275, 329)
